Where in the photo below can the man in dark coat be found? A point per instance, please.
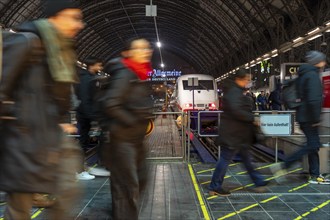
(236, 134)
(308, 115)
(37, 77)
(275, 99)
(128, 105)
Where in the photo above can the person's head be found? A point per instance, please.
(94, 64)
(242, 78)
(138, 50)
(316, 58)
(65, 15)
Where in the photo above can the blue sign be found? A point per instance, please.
(164, 75)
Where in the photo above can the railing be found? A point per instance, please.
(289, 132)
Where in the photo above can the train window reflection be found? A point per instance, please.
(202, 85)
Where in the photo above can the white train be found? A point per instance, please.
(205, 93)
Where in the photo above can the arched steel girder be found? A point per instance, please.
(237, 6)
(113, 41)
(199, 59)
(11, 17)
(211, 46)
(184, 30)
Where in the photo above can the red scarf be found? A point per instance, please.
(140, 69)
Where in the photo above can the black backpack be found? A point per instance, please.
(290, 95)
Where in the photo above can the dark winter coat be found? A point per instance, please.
(85, 93)
(310, 89)
(236, 122)
(30, 144)
(275, 99)
(128, 102)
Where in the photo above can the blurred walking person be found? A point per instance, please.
(308, 114)
(37, 78)
(128, 105)
(236, 134)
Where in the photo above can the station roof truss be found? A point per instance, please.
(212, 36)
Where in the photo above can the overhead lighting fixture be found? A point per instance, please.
(314, 37)
(159, 44)
(328, 23)
(328, 30)
(274, 51)
(297, 39)
(275, 55)
(268, 58)
(162, 65)
(286, 50)
(313, 31)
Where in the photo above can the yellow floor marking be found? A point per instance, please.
(199, 194)
(206, 182)
(313, 210)
(37, 213)
(252, 184)
(243, 172)
(270, 199)
(204, 171)
(258, 168)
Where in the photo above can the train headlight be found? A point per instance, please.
(212, 105)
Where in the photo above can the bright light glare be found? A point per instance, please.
(159, 44)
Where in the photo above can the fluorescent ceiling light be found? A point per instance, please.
(274, 51)
(314, 37)
(297, 39)
(159, 44)
(275, 55)
(313, 31)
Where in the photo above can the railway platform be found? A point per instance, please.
(178, 188)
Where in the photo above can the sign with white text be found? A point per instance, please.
(276, 125)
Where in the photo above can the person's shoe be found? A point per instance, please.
(84, 176)
(261, 188)
(99, 171)
(43, 200)
(221, 192)
(321, 179)
(279, 172)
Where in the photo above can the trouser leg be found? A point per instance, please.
(68, 189)
(311, 149)
(221, 168)
(85, 126)
(124, 180)
(256, 177)
(18, 206)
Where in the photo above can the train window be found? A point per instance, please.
(202, 85)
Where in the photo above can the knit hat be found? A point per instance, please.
(52, 7)
(314, 57)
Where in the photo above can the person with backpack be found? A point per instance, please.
(308, 113)
(35, 89)
(128, 106)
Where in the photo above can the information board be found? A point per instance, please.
(276, 125)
